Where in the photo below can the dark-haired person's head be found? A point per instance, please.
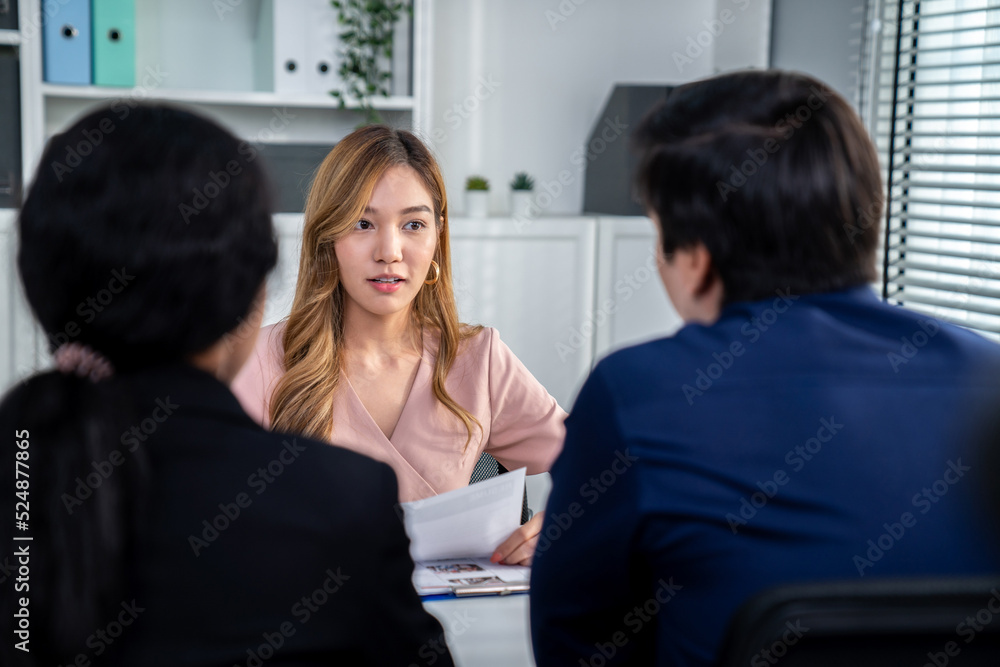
(759, 182)
(145, 238)
(154, 244)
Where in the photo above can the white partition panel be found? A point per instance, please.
(534, 283)
(281, 282)
(8, 278)
(631, 304)
(21, 344)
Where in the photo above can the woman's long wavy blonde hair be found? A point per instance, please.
(314, 334)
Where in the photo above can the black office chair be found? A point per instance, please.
(488, 467)
(880, 622)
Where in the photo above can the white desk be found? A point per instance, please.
(486, 631)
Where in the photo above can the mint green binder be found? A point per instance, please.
(114, 42)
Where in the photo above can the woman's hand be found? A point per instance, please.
(519, 548)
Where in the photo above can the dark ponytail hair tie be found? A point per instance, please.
(77, 358)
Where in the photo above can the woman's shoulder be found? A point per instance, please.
(478, 335)
(270, 335)
(476, 343)
(254, 382)
(472, 339)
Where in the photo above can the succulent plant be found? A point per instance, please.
(477, 183)
(522, 181)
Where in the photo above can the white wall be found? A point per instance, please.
(518, 84)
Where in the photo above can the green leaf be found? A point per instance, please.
(477, 183)
(366, 41)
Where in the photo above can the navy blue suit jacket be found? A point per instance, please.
(797, 438)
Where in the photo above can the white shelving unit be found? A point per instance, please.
(249, 98)
(187, 53)
(562, 291)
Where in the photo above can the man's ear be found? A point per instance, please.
(705, 286)
(704, 278)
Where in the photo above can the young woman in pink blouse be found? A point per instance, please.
(372, 356)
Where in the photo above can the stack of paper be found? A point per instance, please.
(453, 535)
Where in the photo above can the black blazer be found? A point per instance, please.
(263, 548)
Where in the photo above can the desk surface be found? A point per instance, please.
(486, 631)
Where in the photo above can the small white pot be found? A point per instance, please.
(477, 203)
(520, 203)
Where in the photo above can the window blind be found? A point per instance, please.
(935, 116)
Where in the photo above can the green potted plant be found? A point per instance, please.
(477, 197)
(521, 191)
(367, 44)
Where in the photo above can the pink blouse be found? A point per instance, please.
(522, 424)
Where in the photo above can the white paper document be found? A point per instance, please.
(469, 576)
(453, 535)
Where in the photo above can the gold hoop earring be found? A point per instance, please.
(437, 274)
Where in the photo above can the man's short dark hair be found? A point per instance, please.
(773, 172)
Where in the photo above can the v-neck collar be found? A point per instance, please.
(419, 379)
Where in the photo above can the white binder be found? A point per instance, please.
(322, 48)
(299, 49)
(282, 36)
